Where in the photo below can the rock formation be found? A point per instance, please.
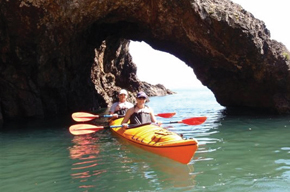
(63, 56)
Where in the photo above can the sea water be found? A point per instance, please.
(237, 152)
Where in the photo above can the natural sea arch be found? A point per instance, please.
(62, 56)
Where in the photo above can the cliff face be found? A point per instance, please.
(63, 56)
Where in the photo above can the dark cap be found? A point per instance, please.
(141, 94)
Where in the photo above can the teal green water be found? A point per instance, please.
(244, 152)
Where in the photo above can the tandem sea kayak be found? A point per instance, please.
(158, 140)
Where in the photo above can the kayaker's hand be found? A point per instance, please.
(125, 126)
(115, 115)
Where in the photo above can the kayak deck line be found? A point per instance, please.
(147, 132)
(160, 146)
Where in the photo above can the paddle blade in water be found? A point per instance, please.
(83, 116)
(165, 115)
(194, 120)
(82, 129)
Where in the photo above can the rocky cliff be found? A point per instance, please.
(63, 56)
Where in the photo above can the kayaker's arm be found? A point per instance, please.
(127, 117)
(153, 119)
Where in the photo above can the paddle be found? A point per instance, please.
(84, 116)
(190, 121)
(165, 115)
(81, 129)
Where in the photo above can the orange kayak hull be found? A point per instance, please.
(159, 141)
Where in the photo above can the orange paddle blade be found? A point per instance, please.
(194, 120)
(83, 116)
(81, 129)
(165, 115)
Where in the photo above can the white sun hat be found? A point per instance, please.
(123, 91)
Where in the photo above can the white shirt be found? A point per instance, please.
(118, 106)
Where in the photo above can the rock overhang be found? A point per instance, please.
(59, 46)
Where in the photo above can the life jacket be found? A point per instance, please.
(141, 117)
(121, 111)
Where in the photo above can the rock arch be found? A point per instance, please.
(52, 51)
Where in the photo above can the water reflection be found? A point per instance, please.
(85, 152)
(98, 163)
(157, 170)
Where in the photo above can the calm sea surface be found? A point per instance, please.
(238, 152)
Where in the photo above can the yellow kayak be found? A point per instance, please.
(158, 140)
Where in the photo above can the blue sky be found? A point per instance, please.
(154, 66)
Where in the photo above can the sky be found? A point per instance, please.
(155, 67)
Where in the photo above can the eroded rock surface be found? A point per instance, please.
(63, 56)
